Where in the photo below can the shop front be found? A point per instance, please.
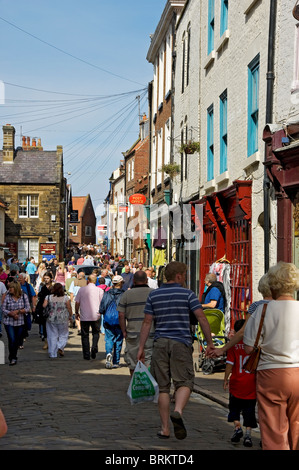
(226, 245)
(282, 164)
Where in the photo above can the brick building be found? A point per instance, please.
(136, 182)
(33, 188)
(83, 221)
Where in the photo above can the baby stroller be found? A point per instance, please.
(216, 321)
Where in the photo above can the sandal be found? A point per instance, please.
(162, 436)
(178, 425)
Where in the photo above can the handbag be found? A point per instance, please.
(251, 364)
(143, 386)
(46, 310)
(27, 318)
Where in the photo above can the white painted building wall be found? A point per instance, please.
(186, 100)
(226, 68)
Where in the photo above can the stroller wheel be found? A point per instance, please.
(208, 367)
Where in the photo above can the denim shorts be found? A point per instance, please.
(172, 360)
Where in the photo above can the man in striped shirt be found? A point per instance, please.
(170, 307)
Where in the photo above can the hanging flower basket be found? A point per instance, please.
(171, 169)
(190, 147)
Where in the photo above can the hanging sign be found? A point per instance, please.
(137, 199)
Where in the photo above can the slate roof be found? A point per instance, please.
(32, 167)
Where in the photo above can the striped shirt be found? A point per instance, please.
(132, 304)
(10, 304)
(171, 306)
(252, 308)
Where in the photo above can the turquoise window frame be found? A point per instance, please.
(223, 132)
(224, 16)
(210, 142)
(211, 24)
(253, 105)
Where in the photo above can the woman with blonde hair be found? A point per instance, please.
(278, 368)
(15, 306)
(61, 274)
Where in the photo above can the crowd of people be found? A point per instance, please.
(124, 301)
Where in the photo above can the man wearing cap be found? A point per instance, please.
(113, 333)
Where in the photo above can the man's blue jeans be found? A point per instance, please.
(14, 335)
(113, 341)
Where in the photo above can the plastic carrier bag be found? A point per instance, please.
(143, 386)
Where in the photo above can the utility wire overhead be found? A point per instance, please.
(67, 53)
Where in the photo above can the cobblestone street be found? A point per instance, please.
(72, 404)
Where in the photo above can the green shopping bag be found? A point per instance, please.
(143, 386)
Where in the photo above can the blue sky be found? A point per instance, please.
(72, 73)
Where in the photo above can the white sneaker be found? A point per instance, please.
(108, 361)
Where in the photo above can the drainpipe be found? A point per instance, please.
(269, 118)
(147, 207)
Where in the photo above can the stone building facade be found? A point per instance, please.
(33, 187)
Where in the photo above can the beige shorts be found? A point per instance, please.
(172, 360)
(131, 350)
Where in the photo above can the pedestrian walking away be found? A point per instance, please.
(170, 307)
(32, 297)
(131, 315)
(242, 388)
(44, 290)
(87, 304)
(113, 333)
(60, 314)
(277, 373)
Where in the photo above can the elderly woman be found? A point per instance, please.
(15, 306)
(278, 368)
(60, 314)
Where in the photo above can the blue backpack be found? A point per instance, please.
(111, 314)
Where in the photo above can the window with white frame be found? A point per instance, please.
(183, 61)
(28, 205)
(161, 77)
(188, 54)
(295, 84)
(167, 142)
(159, 156)
(168, 68)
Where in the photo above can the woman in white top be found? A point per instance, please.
(278, 368)
(60, 314)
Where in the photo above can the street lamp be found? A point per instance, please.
(111, 181)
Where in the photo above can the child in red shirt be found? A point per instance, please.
(242, 391)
